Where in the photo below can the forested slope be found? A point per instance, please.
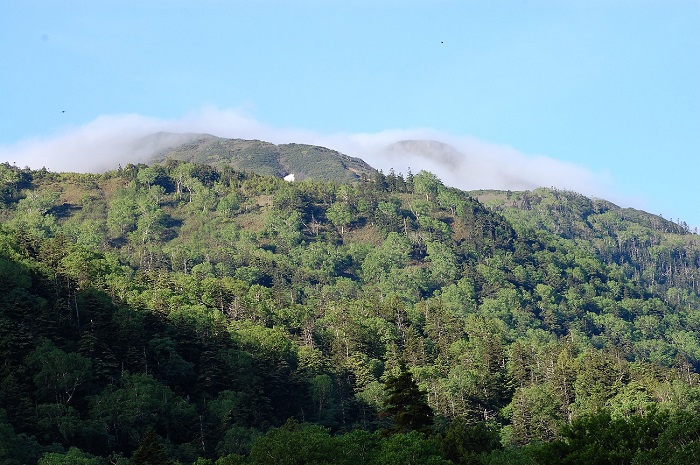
(661, 255)
(187, 311)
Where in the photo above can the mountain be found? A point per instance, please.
(570, 214)
(255, 156)
(656, 252)
(465, 166)
(430, 149)
(209, 315)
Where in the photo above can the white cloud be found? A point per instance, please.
(474, 164)
(469, 163)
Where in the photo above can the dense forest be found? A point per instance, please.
(179, 313)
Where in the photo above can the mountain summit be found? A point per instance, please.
(431, 149)
(260, 157)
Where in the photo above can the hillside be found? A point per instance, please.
(657, 253)
(259, 157)
(212, 315)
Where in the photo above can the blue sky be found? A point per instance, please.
(598, 96)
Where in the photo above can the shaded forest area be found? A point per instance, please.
(180, 313)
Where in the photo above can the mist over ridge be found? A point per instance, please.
(464, 162)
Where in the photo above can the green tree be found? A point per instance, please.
(9, 180)
(294, 444)
(463, 443)
(150, 451)
(58, 374)
(678, 443)
(34, 214)
(340, 215)
(148, 175)
(123, 213)
(600, 440)
(406, 404)
(140, 403)
(535, 414)
(15, 449)
(321, 390)
(443, 264)
(74, 456)
(357, 446)
(410, 448)
(393, 253)
(427, 183)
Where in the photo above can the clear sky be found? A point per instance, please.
(601, 96)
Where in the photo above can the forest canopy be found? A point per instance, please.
(184, 313)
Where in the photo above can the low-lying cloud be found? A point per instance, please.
(464, 162)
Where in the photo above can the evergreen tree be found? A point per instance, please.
(406, 403)
(151, 451)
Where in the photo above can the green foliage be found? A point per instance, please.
(15, 449)
(410, 448)
(392, 254)
(405, 403)
(211, 306)
(293, 444)
(139, 403)
(465, 443)
(123, 213)
(74, 456)
(426, 183)
(340, 215)
(59, 375)
(150, 451)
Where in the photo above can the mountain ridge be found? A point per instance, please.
(305, 161)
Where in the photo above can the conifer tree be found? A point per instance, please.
(151, 451)
(406, 403)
